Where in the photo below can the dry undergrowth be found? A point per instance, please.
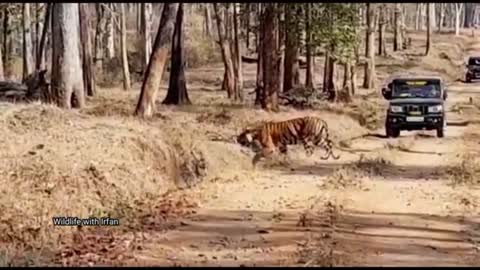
(344, 177)
(374, 166)
(318, 249)
(58, 163)
(466, 172)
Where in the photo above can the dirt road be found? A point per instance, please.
(398, 210)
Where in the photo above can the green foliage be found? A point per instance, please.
(334, 27)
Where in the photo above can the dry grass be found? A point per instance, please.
(373, 166)
(466, 172)
(343, 178)
(58, 163)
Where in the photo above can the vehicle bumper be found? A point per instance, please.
(400, 122)
(473, 75)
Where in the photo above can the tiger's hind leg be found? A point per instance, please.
(328, 146)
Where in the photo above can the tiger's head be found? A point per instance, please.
(246, 137)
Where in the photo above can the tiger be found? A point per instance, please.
(270, 135)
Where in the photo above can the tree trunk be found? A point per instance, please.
(429, 29)
(247, 26)
(99, 37)
(281, 34)
(177, 87)
(397, 38)
(41, 55)
(369, 77)
(433, 21)
(330, 83)
(418, 14)
(469, 14)
(226, 53)
(458, 9)
(441, 17)
(28, 64)
(2, 77)
(153, 74)
(310, 60)
(67, 74)
(123, 45)
(37, 32)
(238, 54)
(110, 32)
(291, 48)
(208, 20)
(146, 26)
(259, 81)
(87, 60)
(271, 65)
(381, 34)
(347, 93)
(326, 71)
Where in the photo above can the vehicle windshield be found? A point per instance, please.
(474, 62)
(416, 89)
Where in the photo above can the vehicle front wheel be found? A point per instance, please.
(440, 132)
(392, 132)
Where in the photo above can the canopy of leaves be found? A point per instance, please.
(334, 27)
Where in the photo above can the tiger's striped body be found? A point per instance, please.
(310, 131)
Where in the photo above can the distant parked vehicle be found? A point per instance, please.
(473, 69)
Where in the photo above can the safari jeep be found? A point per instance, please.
(416, 103)
(473, 69)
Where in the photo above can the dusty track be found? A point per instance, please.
(404, 214)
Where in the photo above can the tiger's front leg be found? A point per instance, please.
(264, 153)
(267, 149)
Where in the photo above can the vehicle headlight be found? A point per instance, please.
(435, 109)
(396, 109)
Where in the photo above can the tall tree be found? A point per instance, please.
(227, 55)
(99, 36)
(177, 88)
(271, 65)
(123, 45)
(292, 38)
(397, 32)
(309, 47)
(153, 74)
(110, 31)
(40, 59)
(238, 55)
(369, 77)
(146, 26)
(28, 63)
(259, 49)
(67, 74)
(429, 30)
(382, 23)
(87, 59)
(458, 9)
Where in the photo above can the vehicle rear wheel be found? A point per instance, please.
(468, 79)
